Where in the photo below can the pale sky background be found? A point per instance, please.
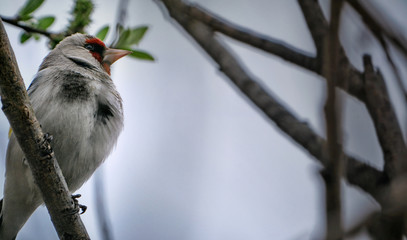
(196, 160)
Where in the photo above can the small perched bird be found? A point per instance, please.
(76, 101)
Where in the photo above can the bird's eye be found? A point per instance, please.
(90, 47)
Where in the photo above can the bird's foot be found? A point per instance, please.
(46, 148)
(48, 137)
(77, 205)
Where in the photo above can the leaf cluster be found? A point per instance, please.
(33, 27)
(25, 15)
(128, 39)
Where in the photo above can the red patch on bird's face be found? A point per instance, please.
(97, 56)
(99, 46)
(95, 41)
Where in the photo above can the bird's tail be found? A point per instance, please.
(2, 229)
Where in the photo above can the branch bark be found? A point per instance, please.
(334, 167)
(36, 147)
(377, 28)
(299, 131)
(351, 80)
(385, 121)
(372, 92)
(258, 40)
(370, 88)
(381, 33)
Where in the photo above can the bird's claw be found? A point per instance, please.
(48, 137)
(77, 205)
(46, 148)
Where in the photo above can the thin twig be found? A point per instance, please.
(396, 71)
(26, 28)
(100, 205)
(378, 29)
(255, 39)
(120, 20)
(351, 80)
(80, 19)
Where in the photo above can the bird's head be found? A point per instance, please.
(89, 51)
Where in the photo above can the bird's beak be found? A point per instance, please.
(112, 55)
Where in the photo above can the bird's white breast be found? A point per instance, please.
(84, 116)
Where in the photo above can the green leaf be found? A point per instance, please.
(136, 34)
(45, 22)
(130, 37)
(36, 36)
(25, 18)
(122, 42)
(101, 34)
(141, 55)
(120, 28)
(24, 37)
(29, 7)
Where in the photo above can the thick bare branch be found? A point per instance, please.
(255, 39)
(351, 80)
(366, 177)
(36, 147)
(318, 27)
(316, 22)
(334, 167)
(385, 121)
(299, 131)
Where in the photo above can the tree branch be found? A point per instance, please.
(385, 121)
(101, 206)
(263, 42)
(351, 80)
(378, 29)
(318, 27)
(299, 131)
(365, 177)
(80, 19)
(316, 22)
(334, 167)
(374, 94)
(354, 82)
(380, 33)
(36, 147)
(16, 22)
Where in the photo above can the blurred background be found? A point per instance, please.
(196, 160)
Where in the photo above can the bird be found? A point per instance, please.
(75, 101)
